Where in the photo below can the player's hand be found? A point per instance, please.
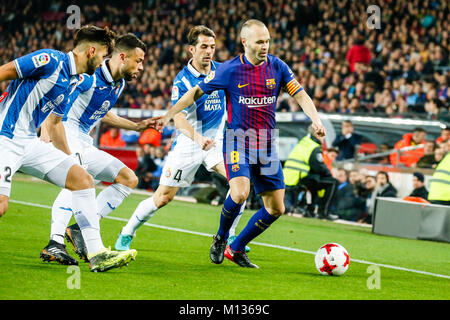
(207, 143)
(155, 123)
(319, 129)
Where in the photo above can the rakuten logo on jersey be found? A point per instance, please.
(254, 102)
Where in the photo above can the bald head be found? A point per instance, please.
(249, 25)
(255, 38)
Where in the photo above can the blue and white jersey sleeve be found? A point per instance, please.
(84, 83)
(218, 79)
(37, 64)
(178, 90)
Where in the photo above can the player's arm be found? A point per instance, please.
(185, 128)
(306, 103)
(8, 71)
(114, 120)
(185, 101)
(54, 128)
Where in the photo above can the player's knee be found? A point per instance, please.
(80, 179)
(163, 199)
(239, 196)
(3, 207)
(127, 178)
(277, 211)
(86, 181)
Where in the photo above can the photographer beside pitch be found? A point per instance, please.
(252, 82)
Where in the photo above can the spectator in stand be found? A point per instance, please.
(329, 157)
(419, 186)
(151, 136)
(368, 194)
(385, 159)
(349, 206)
(145, 166)
(439, 154)
(346, 141)
(159, 161)
(428, 159)
(408, 158)
(112, 139)
(358, 53)
(383, 189)
(445, 135)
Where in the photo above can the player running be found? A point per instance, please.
(201, 124)
(89, 104)
(42, 80)
(252, 82)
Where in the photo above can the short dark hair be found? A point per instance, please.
(129, 41)
(384, 173)
(419, 129)
(95, 34)
(348, 122)
(198, 30)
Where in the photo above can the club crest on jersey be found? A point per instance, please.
(210, 76)
(175, 93)
(40, 60)
(168, 173)
(117, 89)
(235, 168)
(270, 83)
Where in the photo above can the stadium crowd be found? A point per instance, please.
(399, 70)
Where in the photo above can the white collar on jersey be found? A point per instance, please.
(73, 68)
(194, 71)
(106, 72)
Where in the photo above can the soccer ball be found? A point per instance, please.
(332, 259)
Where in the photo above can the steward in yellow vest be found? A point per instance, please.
(440, 183)
(305, 167)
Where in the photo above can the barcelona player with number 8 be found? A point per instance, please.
(252, 82)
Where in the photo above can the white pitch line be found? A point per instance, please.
(256, 243)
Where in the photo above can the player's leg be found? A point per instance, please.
(144, 211)
(239, 191)
(11, 157)
(4, 200)
(179, 171)
(220, 169)
(271, 188)
(112, 196)
(45, 161)
(104, 167)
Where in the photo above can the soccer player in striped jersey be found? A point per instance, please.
(89, 104)
(252, 82)
(42, 80)
(199, 126)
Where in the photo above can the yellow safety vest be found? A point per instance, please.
(296, 166)
(440, 182)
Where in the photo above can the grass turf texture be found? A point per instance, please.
(175, 265)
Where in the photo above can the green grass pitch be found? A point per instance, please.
(174, 265)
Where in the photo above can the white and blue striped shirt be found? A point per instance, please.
(94, 96)
(46, 78)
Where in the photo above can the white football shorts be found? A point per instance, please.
(32, 156)
(184, 160)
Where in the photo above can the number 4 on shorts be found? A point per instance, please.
(177, 176)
